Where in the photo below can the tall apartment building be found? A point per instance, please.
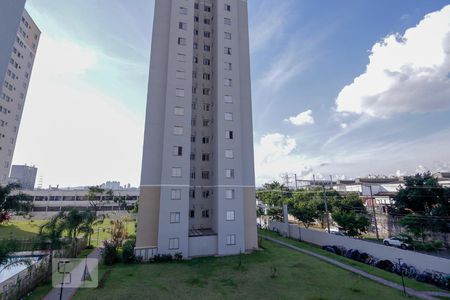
(15, 80)
(23, 175)
(197, 191)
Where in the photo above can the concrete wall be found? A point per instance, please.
(420, 261)
(202, 245)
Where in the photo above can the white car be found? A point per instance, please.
(397, 241)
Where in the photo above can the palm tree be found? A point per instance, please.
(90, 221)
(73, 222)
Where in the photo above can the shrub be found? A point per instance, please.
(128, 251)
(178, 256)
(110, 254)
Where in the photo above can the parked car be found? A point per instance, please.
(398, 241)
(336, 232)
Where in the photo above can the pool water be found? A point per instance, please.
(6, 273)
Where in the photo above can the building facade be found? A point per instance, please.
(197, 192)
(24, 175)
(15, 80)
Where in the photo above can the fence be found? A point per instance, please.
(420, 261)
(20, 284)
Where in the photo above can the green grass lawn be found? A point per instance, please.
(30, 229)
(367, 268)
(20, 229)
(297, 276)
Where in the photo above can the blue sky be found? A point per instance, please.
(87, 97)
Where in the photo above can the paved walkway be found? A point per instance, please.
(412, 292)
(68, 293)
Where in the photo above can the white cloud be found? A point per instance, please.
(343, 125)
(303, 118)
(74, 133)
(267, 26)
(405, 74)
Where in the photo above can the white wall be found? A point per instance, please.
(203, 245)
(420, 261)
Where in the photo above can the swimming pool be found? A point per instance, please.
(6, 273)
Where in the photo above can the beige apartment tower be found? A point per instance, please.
(19, 52)
(197, 194)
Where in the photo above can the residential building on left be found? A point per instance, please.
(19, 38)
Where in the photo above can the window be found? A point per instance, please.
(207, 48)
(195, 31)
(180, 75)
(195, 45)
(205, 157)
(229, 134)
(206, 34)
(175, 195)
(183, 11)
(205, 122)
(228, 66)
(206, 62)
(178, 130)
(195, 18)
(177, 151)
(192, 138)
(193, 176)
(227, 82)
(176, 172)
(181, 41)
(195, 59)
(228, 116)
(205, 174)
(205, 213)
(230, 215)
(231, 239)
(227, 21)
(229, 173)
(192, 213)
(174, 244)
(206, 76)
(229, 194)
(207, 8)
(205, 140)
(205, 194)
(228, 99)
(174, 217)
(181, 57)
(178, 111)
(229, 153)
(196, 5)
(228, 35)
(226, 50)
(182, 25)
(206, 92)
(192, 193)
(206, 107)
(207, 21)
(227, 7)
(179, 92)
(192, 156)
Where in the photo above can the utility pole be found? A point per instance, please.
(373, 210)
(295, 177)
(326, 207)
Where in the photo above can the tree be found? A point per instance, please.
(118, 233)
(273, 193)
(304, 211)
(424, 205)
(351, 215)
(73, 221)
(94, 196)
(90, 220)
(19, 203)
(275, 214)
